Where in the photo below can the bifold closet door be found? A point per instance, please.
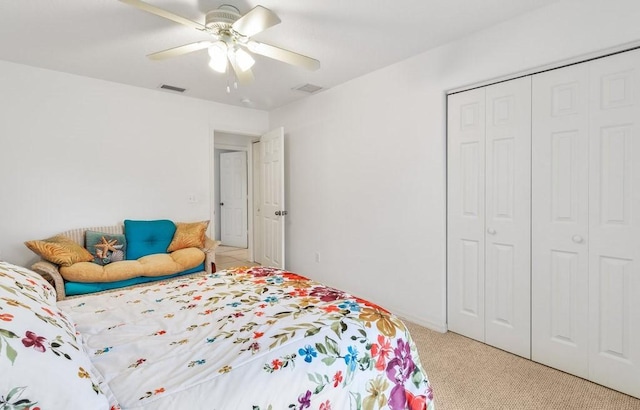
(614, 222)
(560, 224)
(489, 194)
(508, 216)
(465, 213)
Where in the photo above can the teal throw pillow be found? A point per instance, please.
(148, 237)
(105, 247)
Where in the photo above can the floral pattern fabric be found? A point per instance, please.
(42, 359)
(250, 338)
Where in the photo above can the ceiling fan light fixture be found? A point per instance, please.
(230, 39)
(244, 59)
(218, 54)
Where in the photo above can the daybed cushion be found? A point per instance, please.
(148, 237)
(158, 264)
(42, 358)
(192, 234)
(81, 288)
(105, 247)
(60, 250)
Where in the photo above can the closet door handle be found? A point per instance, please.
(577, 238)
(491, 231)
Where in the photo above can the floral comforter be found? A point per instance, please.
(251, 338)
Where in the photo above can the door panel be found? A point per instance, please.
(466, 209)
(508, 202)
(470, 273)
(615, 175)
(503, 256)
(257, 203)
(615, 298)
(560, 271)
(614, 225)
(272, 184)
(563, 275)
(471, 186)
(233, 198)
(503, 178)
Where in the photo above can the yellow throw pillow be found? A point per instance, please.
(188, 235)
(60, 250)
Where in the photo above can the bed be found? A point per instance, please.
(248, 338)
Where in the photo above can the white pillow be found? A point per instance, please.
(42, 358)
(28, 281)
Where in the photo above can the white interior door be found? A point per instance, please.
(560, 219)
(233, 199)
(465, 213)
(614, 222)
(272, 202)
(508, 216)
(257, 202)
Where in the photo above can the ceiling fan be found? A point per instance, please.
(231, 35)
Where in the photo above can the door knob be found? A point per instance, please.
(577, 238)
(491, 231)
(278, 213)
(221, 203)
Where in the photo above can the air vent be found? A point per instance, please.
(308, 88)
(173, 88)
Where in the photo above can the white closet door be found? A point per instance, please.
(560, 219)
(465, 243)
(614, 229)
(508, 216)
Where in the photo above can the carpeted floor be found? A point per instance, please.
(466, 374)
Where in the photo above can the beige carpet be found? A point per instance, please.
(466, 374)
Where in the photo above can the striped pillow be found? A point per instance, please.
(60, 250)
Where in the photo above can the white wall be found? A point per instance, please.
(366, 162)
(78, 152)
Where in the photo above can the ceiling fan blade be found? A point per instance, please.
(178, 51)
(164, 13)
(283, 55)
(244, 77)
(255, 21)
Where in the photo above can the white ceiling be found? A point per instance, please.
(109, 40)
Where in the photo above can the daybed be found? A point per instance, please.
(87, 274)
(252, 338)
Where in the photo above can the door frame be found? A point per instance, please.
(245, 146)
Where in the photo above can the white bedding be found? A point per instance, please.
(249, 339)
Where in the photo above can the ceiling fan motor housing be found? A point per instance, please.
(222, 18)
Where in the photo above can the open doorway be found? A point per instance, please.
(264, 199)
(230, 257)
(231, 200)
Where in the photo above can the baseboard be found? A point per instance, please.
(436, 326)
